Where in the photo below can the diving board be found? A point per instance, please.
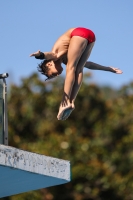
(23, 171)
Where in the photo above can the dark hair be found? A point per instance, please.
(43, 68)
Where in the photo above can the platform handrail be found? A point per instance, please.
(5, 117)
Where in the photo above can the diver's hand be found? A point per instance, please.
(116, 70)
(35, 54)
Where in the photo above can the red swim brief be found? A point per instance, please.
(85, 33)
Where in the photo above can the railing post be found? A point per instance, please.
(3, 111)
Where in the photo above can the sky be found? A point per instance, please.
(28, 26)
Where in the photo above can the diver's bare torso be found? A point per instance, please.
(61, 45)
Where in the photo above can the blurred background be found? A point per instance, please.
(97, 138)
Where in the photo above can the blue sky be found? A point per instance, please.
(27, 26)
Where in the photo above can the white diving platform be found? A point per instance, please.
(23, 171)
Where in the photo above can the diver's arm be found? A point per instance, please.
(95, 66)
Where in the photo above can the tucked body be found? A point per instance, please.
(73, 48)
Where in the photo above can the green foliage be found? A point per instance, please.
(97, 138)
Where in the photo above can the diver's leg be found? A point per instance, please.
(76, 48)
(78, 79)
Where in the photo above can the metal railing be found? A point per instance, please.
(3, 110)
